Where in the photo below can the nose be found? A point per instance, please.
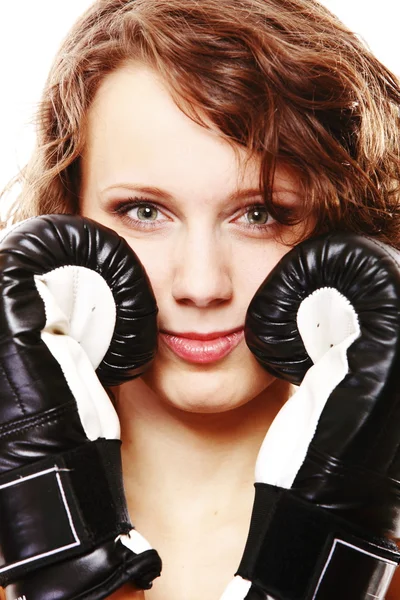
(202, 274)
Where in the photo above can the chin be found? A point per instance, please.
(207, 390)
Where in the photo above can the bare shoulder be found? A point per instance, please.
(2, 594)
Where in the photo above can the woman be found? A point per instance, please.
(213, 136)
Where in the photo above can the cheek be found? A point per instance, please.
(158, 268)
(254, 266)
(151, 253)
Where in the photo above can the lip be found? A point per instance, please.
(202, 348)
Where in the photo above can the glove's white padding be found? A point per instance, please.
(134, 541)
(236, 588)
(328, 325)
(80, 320)
(79, 300)
(69, 312)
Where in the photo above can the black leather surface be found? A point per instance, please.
(352, 468)
(93, 576)
(38, 413)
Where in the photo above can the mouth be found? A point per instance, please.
(202, 348)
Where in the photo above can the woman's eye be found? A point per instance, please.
(147, 213)
(140, 213)
(257, 215)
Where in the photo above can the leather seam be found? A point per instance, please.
(13, 389)
(387, 249)
(34, 422)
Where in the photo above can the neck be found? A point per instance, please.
(190, 452)
(189, 484)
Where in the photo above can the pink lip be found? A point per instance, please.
(200, 347)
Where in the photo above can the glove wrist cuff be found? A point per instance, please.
(300, 551)
(60, 507)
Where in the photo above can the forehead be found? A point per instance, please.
(135, 130)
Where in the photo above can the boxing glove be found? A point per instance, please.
(76, 309)
(326, 513)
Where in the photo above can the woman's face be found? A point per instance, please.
(189, 206)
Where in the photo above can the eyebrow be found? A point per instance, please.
(164, 195)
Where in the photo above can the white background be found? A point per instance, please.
(31, 31)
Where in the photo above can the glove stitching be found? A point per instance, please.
(38, 423)
(128, 560)
(34, 421)
(387, 249)
(33, 378)
(387, 425)
(342, 472)
(33, 427)
(13, 389)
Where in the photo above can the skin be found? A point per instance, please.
(199, 425)
(215, 259)
(191, 433)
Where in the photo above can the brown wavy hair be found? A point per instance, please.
(284, 78)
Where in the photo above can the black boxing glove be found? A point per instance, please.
(74, 298)
(326, 514)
